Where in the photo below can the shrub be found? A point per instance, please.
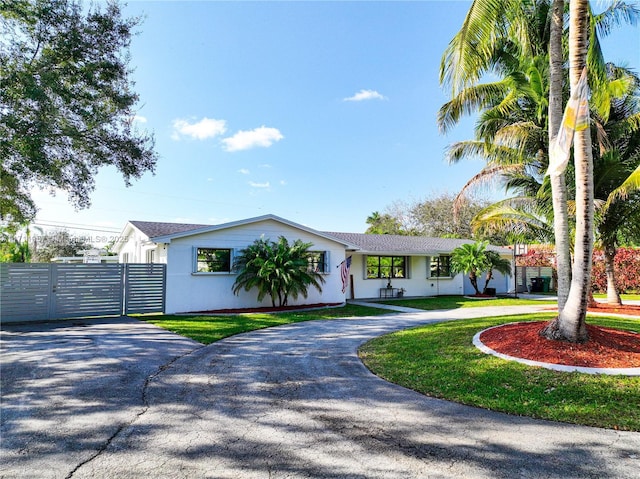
(626, 265)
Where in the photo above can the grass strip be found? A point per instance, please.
(440, 360)
(207, 329)
(455, 302)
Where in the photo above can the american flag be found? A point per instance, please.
(344, 273)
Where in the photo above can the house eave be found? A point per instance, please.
(168, 238)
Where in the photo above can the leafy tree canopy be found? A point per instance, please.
(57, 243)
(384, 224)
(437, 216)
(66, 101)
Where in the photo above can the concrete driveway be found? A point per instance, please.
(123, 399)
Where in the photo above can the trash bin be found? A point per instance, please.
(537, 284)
(547, 284)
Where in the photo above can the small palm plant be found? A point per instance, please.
(500, 264)
(470, 259)
(474, 259)
(279, 270)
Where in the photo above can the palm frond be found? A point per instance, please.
(470, 100)
(630, 185)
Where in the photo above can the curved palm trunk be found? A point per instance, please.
(612, 292)
(558, 183)
(486, 281)
(571, 320)
(473, 278)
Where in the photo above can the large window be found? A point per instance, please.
(318, 261)
(440, 266)
(213, 260)
(386, 267)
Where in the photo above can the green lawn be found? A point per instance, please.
(207, 329)
(454, 302)
(439, 360)
(624, 297)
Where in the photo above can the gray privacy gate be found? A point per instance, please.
(44, 291)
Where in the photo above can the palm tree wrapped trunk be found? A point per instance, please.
(571, 322)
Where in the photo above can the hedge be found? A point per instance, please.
(626, 264)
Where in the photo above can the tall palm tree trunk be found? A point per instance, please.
(613, 297)
(572, 324)
(558, 183)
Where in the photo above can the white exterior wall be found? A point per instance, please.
(502, 283)
(132, 246)
(137, 245)
(188, 291)
(417, 284)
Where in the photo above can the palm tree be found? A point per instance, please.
(513, 108)
(571, 322)
(532, 30)
(617, 169)
(384, 224)
(495, 262)
(558, 182)
(277, 269)
(470, 259)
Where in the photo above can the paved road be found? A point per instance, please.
(127, 400)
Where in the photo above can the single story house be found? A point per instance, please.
(381, 265)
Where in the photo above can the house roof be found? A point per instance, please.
(405, 244)
(364, 243)
(154, 228)
(165, 232)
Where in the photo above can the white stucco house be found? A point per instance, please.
(413, 265)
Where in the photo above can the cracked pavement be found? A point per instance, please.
(123, 399)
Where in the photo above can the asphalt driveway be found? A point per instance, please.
(124, 399)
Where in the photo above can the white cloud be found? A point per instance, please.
(244, 171)
(259, 185)
(201, 130)
(259, 137)
(364, 95)
(283, 182)
(140, 119)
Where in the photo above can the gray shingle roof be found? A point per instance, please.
(366, 243)
(400, 243)
(154, 228)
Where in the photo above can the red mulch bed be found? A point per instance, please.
(606, 347)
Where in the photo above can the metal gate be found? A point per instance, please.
(37, 292)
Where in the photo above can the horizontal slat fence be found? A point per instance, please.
(37, 292)
(25, 292)
(145, 288)
(87, 290)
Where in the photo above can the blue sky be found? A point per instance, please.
(319, 112)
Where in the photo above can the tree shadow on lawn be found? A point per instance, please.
(292, 400)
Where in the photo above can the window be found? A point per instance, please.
(440, 267)
(318, 261)
(151, 256)
(386, 267)
(213, 260)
